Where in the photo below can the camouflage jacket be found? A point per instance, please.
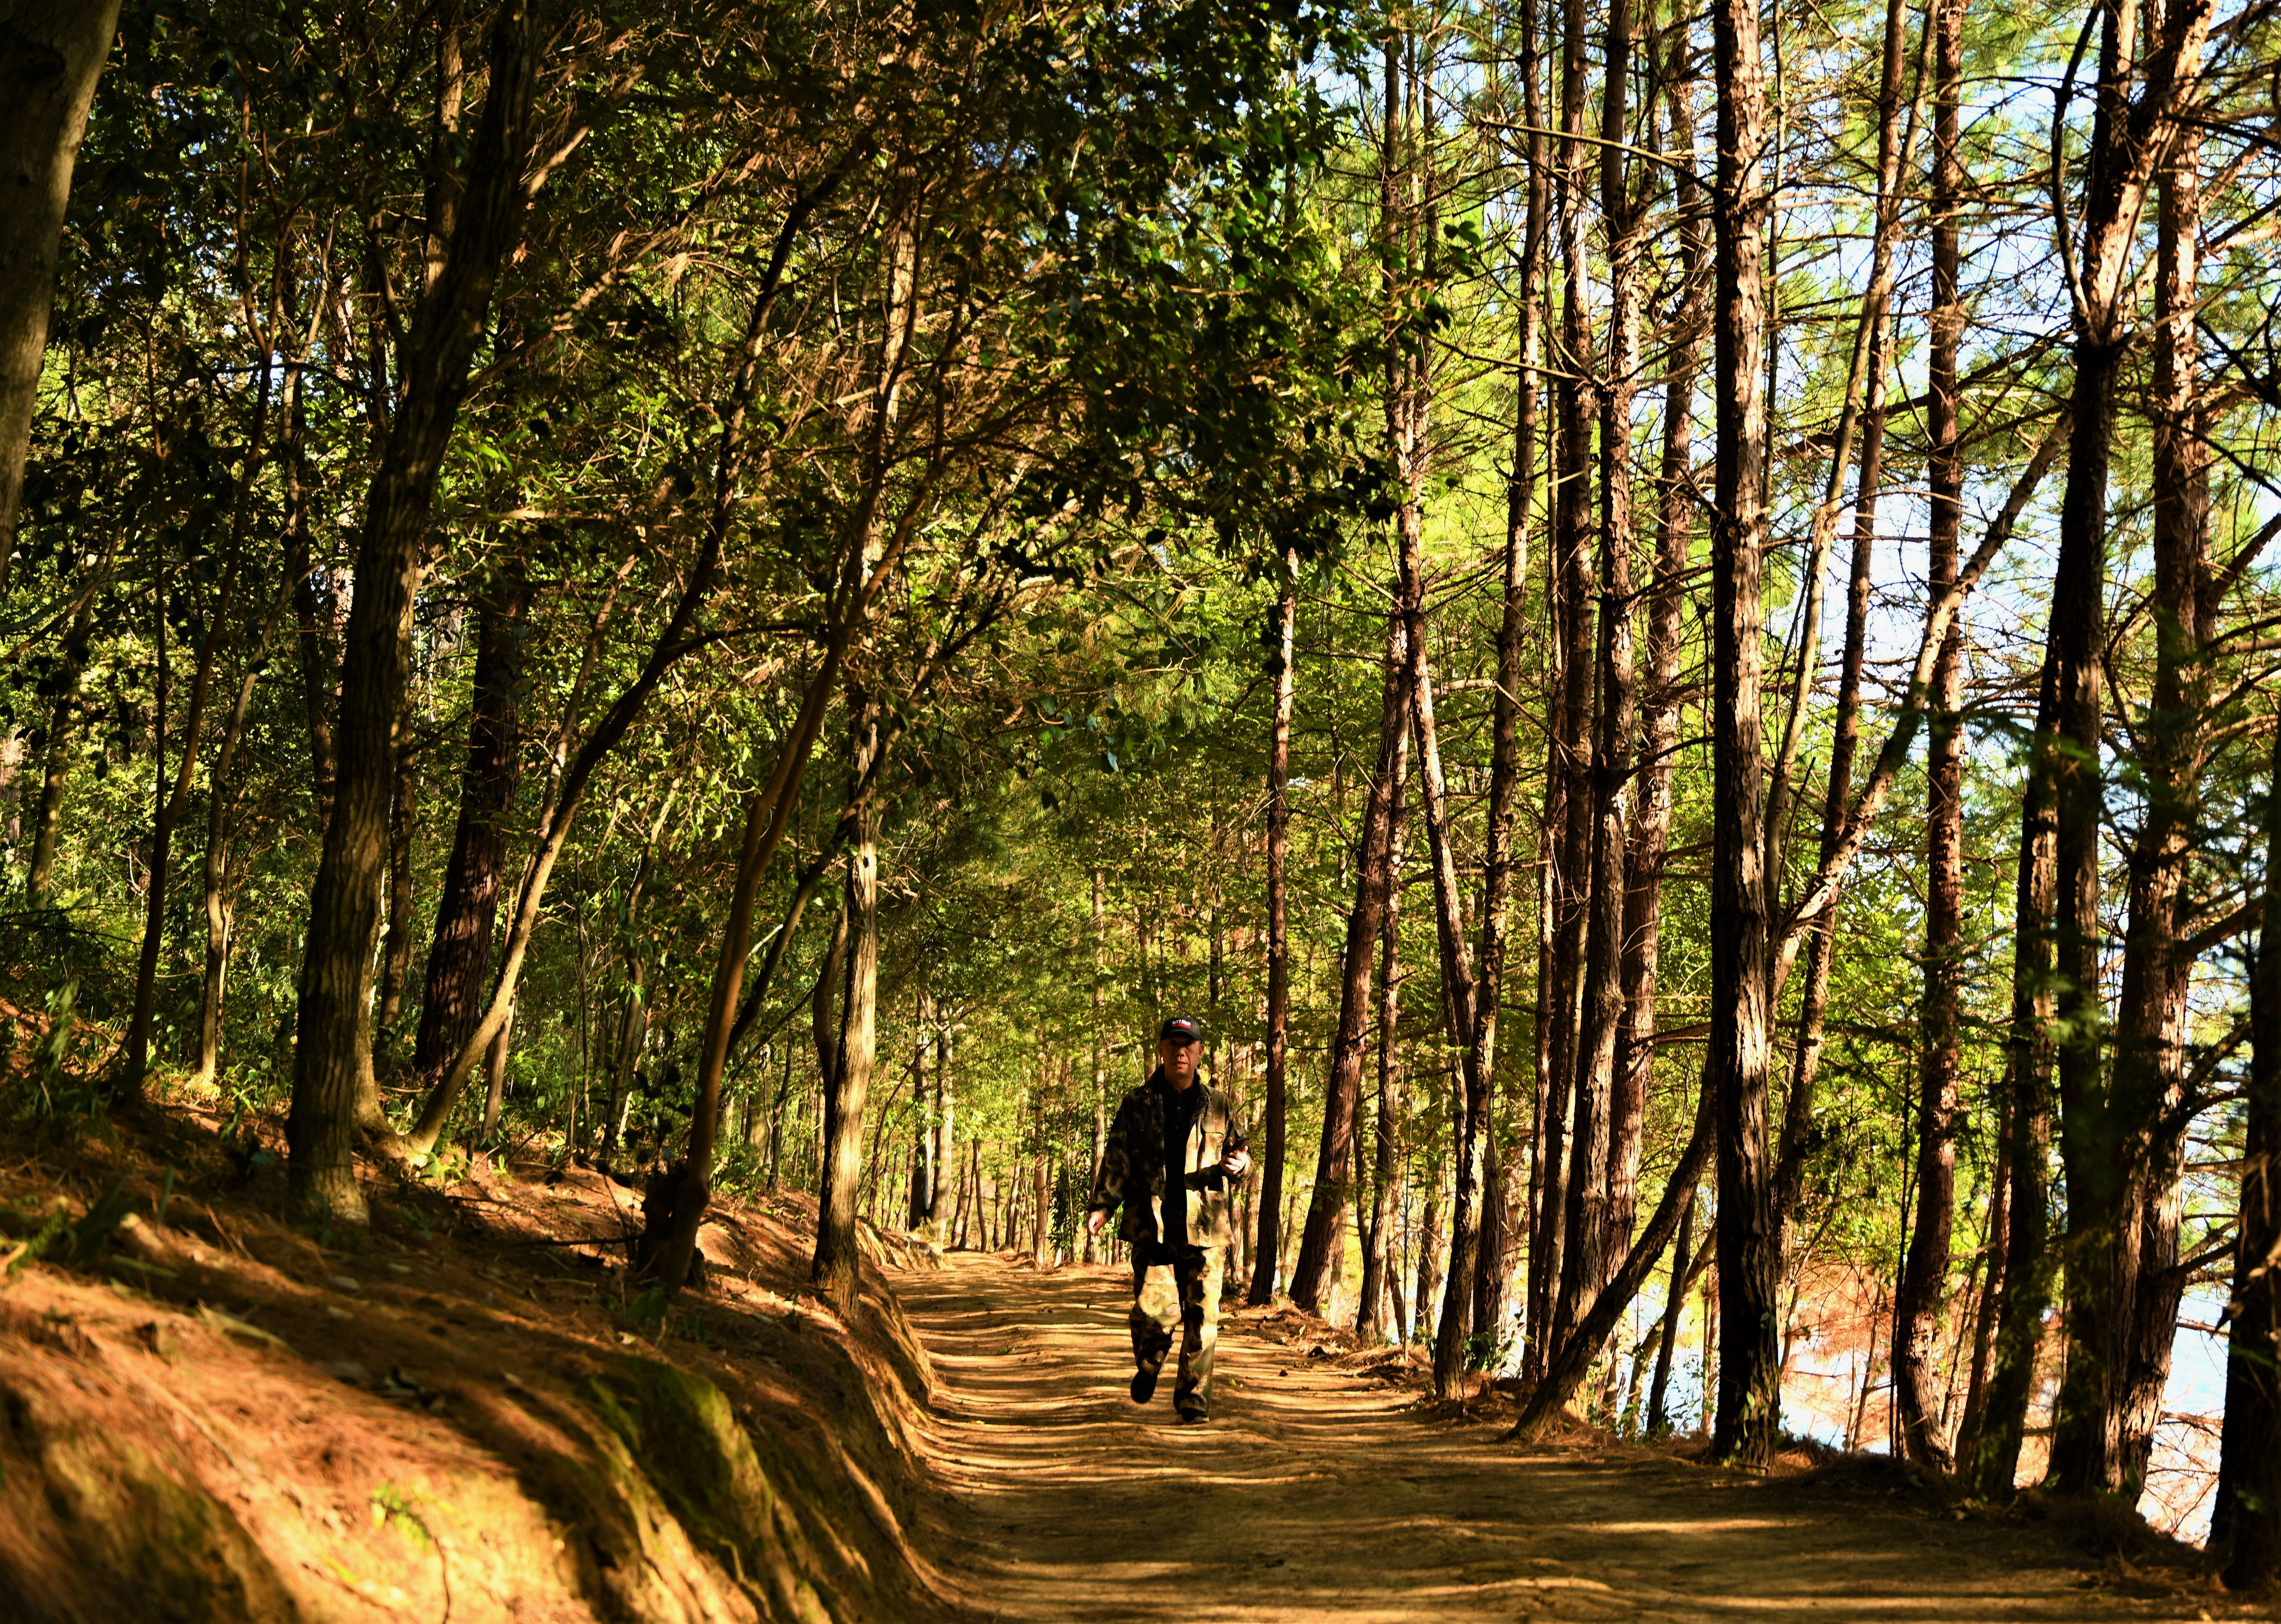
(1131, 1173)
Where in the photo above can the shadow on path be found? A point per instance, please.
(1320, 1494)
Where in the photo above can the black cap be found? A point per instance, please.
(1181, 1029)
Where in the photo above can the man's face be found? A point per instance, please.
(1179, 1060)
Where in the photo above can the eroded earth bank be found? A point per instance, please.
(208, 1412)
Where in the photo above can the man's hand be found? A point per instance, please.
(1095, 1220)
(1235, 1163)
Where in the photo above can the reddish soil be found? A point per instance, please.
(1323, 1489)
(459, 1413)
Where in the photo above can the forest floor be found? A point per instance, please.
(1325, 1486)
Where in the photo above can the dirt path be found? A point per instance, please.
(1317, 1494)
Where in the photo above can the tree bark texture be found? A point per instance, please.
(1922, 1292)
(1649, 838)
(1845, 726)
(459, 953)
(1570, 736)
(396, 945)
(51, 53)
(1378, 1249)
(2026, 1151)
(838, 1267)
(1470, 1116)
(1750, 1397)
(1267, 1258)
(2245, 1523)
(1604, 1154)
(2150, 1086)
(1324, 1230)
(333, 1048)
(2105, 1142)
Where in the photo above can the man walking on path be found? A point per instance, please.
(1172, 1151)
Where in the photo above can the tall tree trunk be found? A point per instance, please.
(2104, 1141)
(459, 953)
(1470, 1121)
(1874, 347)
(1649, 838)
(838, 1267)
(1922, 1292)
(1518, 1203)
(1266, 1259)
(333, 1049)
(313, 658)
(1499, 1208)
(218, 909)
(170, 803)
(2245, 1523)
(1570, 745)
(936, 1149)
(1324, 1234)
(51, 52)
(2153, 1016)
(1605, 1155)
(1750, 1399)
(2026, 1151)
(1385, 1141)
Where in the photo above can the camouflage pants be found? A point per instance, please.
(1176, 1292)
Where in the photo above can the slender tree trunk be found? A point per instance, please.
(313, 652)
(1266, 1258)
(1875, 341)
(1607, 1153)
(1674, 1305)
(1323, 1237)
(1988, 1310)
(460, 955)
(1749, 1400)
(1470, 1121)
(1570, 747)
(2106, 1141)
(1922, 1292)
(1378, 1240)
(2245, 1524)
(333, 1050)
(51, 52)
(495, 1078)
(2026, 1151)
(838, 1267)
(396, 945)
(1649, 837)
(171, 802)
(2154, 1013)
(63, 723)
(1519, 1199)
(945, 1141)
(1427, 1276)
(923, 1174)
(217, 911)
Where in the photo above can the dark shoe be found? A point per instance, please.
(1193, 1418)
(1144, 1385)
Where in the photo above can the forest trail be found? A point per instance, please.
(1320, 1492)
